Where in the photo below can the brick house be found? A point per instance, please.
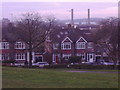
(12, 47)
(68, 41)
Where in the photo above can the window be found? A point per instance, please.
(90, 45)
(5, 57)
(66, 56)
(80, 45)
(66, 45)
(55, 46)
(19, 45)
(4, 45)
(20, 56)
(82, 55)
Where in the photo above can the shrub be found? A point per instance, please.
(86, 66)
(56, 66)
(8, 61)
(75, 59)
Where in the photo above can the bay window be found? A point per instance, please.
(82, 55)
(20, 56)
(4, 56)
(66, 56)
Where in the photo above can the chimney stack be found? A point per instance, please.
(88, 16)
(72, 22)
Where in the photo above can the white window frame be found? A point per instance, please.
(20, 56)
(90, 57)
(66, 55)
(19, 45)
(4, 45)
(80, 45)
(63, 45)
(5, 56)
(81, 55)
(55, 45)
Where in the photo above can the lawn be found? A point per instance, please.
(14, 77)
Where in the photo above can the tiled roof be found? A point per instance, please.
(74, 34)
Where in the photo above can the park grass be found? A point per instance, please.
(14, 77)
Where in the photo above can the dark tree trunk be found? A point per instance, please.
(30, 58)
(30, 55)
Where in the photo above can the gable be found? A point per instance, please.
(67, 39)
(81, 39)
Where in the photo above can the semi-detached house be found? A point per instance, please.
(66, 42)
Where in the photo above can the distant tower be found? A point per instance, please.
(88, 16)
(72, 22)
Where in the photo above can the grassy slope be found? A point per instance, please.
(45, 78)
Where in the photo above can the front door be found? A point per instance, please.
(90, 57)
(55, 58)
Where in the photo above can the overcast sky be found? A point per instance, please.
(61, 10)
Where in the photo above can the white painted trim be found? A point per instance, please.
(80, 39)
(4, 44)
(80, 45)
(63, 48)
(20, 45)
(68, 55)
(20, 55)
(97, 55)
(81, 54)
(67, 38)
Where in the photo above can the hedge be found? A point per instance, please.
(85, 66)
(8, 61)
(55, 66)
(80, 66)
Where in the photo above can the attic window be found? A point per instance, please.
(58, 36)
(66, 45)
(80, 45)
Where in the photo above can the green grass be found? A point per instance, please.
(57, 78)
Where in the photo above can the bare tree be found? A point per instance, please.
(33, 31)
(107, 38)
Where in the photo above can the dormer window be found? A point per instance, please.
(4, 45)
(19, 45)
(66, 45)
(80, 45)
